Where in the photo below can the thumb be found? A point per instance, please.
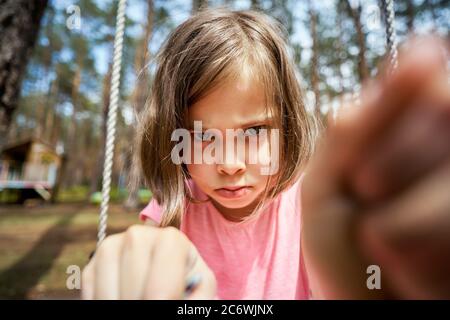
(201, 281)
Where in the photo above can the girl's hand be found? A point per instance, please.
(146, 262)
(378, 190)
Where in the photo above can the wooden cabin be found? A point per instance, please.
(30, 167)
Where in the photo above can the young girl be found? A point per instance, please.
(226, 229)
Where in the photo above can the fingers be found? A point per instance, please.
(410, 239)
(385, 101)
(100, 278)
(134, 262)
(206, 289)
(146, 262)
(168, 280)
(206, 286)
(417, 143)
(406, 217)
(87, 282)
(359, 128)
(106, 268)
(143, 262)
(168, 266)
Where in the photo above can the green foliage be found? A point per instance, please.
(118, 195)
(73, 194)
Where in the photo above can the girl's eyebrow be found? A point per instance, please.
(256, 122)
(248, 124)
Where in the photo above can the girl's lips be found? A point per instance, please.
(233, 192)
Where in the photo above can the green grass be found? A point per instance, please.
(37, 245)
(73, 194)
(80, 194)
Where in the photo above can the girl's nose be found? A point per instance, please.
(231, 167)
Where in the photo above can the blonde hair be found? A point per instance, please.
(200, 53)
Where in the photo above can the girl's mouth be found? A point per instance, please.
(233, 192)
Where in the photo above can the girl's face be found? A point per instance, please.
(235, 185)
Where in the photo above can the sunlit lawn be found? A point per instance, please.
(37, 245)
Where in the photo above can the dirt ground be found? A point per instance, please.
(37, 245)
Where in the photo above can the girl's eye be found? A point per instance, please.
(254, 131)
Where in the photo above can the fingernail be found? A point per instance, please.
(191, 284)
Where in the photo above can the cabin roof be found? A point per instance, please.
(18, 149)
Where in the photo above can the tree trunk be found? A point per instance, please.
(139, 99)
(434, 15)
(141, 60)
(410, 13)
(50, 115)
(101, 151)
(314, 60)
(71, 145)
(355, 14)
(19, 26)
(55, 135)
(255, 5)
(197, 5)
(61, 173)
(339, 53)
(41, 111)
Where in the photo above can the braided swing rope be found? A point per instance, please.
(112, 120)
(391, 35)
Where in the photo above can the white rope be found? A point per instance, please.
(391, 35)
(112, 120)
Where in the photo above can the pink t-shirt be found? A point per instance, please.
(259, 259)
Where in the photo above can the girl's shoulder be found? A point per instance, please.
(154, 211)
(292, 195)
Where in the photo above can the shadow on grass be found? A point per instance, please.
(16, 281)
